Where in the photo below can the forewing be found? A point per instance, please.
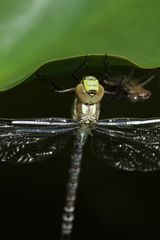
(128, 144)
(32, 140)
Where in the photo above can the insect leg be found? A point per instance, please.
(149, 79)
(79, 67)
(53, 85)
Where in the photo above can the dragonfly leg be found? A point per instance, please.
(43, 77)
(116, 87)
(105, 75)
(149, 79)
(53, 85)
(130, 73)
(58, 90)
(114, 94)
(79, 67)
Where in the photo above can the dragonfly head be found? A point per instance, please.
(91, 85)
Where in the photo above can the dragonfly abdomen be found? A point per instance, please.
(71, 190)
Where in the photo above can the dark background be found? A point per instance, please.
(111, 204)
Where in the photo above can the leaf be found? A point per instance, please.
(33, 32)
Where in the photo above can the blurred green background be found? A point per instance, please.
(111, 204)
(35, 31)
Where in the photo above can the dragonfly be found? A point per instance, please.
(131, 144)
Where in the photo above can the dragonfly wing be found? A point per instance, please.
(128, 144)
(31, 140)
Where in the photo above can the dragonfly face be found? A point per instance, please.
(91, 85)
(89, 91)
(87, 104)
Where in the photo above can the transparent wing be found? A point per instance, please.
(128, 144)
(31, 140)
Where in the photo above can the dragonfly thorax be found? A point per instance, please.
(86, 114)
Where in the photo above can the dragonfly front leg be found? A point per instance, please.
(58, 90)
(53, 85)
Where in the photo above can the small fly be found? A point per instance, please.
(129, 89)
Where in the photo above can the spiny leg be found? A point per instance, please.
(114, 94)
(149, 79)
(53, 85)
(58, 90)
(104, 79)
(79, 67)
(106, 74)
(145, 82)
(43, 77)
